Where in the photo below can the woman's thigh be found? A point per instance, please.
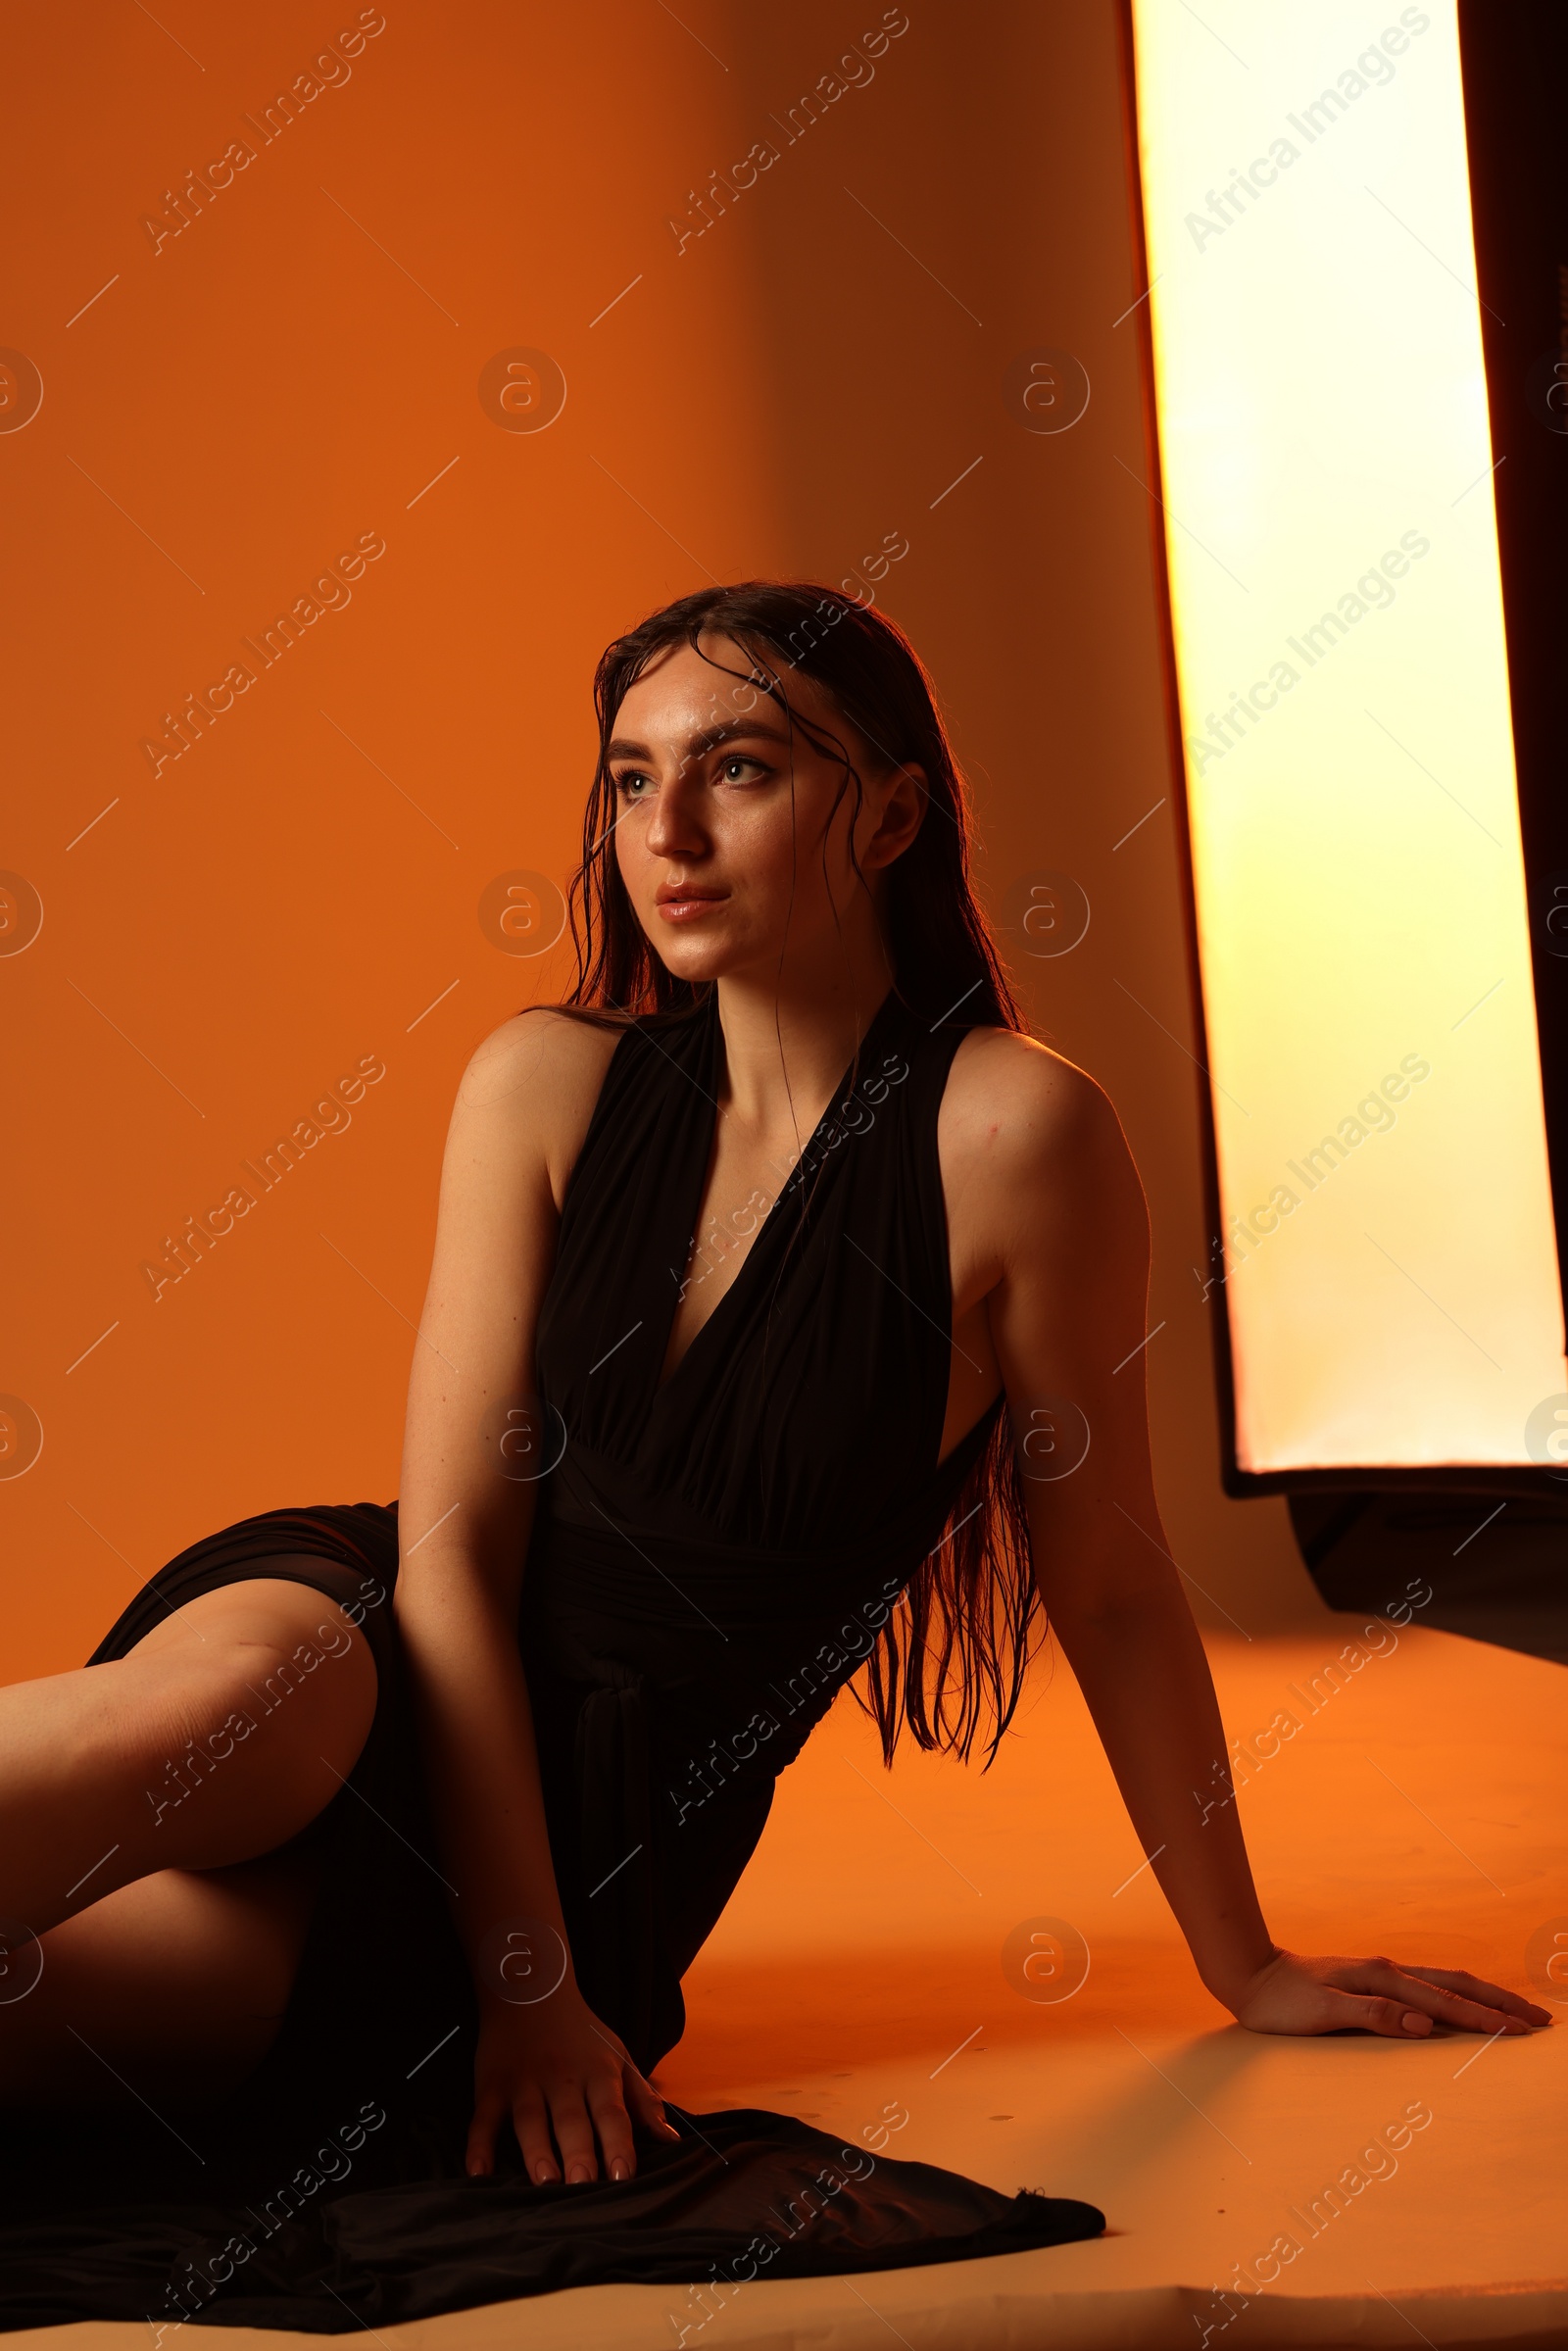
(165, 1993)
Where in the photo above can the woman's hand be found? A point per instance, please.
(569, 2085)
(1292, 1994)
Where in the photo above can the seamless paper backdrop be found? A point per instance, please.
(364, 372)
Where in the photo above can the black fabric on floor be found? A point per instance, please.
(747, 2194)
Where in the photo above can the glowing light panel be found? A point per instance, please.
(1388, 1259)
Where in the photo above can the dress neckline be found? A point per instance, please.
(711, 1057)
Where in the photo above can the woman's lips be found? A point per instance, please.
(687, 909)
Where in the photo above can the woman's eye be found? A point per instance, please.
(627, 785)
(739, 759)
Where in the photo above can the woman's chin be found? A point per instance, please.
(697, 961)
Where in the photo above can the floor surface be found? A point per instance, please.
(859, 1979)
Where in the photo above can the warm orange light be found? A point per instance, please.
(1387, 1254)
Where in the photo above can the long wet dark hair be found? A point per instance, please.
(955, 1650)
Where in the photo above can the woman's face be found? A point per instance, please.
(727, 837)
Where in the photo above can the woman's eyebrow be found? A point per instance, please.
(623, 747)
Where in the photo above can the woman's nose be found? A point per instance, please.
(673, 829)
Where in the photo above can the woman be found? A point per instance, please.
(750, 1266)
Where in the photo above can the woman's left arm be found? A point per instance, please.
(1051, 1181)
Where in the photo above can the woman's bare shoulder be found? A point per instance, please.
(1013, 1097)
(533, 1083)
(1033, 1157)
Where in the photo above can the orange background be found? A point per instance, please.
(294, 370)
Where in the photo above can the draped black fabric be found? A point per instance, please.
(745, 2195)
(713, 1555)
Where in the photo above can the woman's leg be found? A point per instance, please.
(147, 1808)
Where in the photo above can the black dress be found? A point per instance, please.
(711, 1558)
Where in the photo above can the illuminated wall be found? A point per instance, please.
(1387, 1261)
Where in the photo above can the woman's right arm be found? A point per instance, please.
(521, 1112)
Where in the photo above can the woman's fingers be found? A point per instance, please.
(1419, 1994)
(592, 2123)
(639, 2097)
(1476, 1987)
(646, 2103)
(1397, 2020)
(479, 2157)
(573, 2107)
(614, 2124)
(575, 2131)
(531, 2124)
(1447, 2006)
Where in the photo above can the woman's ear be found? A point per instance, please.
(905, 793)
